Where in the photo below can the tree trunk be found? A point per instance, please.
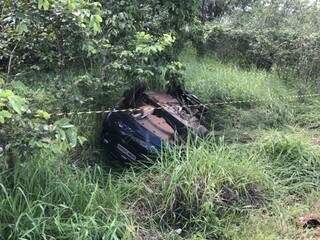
(105, 63)
(15, 8)
(203, 11)
(10, 61)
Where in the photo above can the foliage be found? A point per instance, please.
(286, 52)
(266, 36)
(279, 221)
(199, 192)
(144, 60)
(218, 82)
(46, 32)
(31, 133)
(210, 78)
(212, 9)
(143, 37)
(293, 161)
(250, 179)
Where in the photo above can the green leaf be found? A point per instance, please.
(66, 126)
(96, 27)
(82, 140)
(22, 28)
(71, 4)
(61, 135)
(6, 94)
(3, 115)
(42, 114)
(72, 137)
(98, 18)
(95, 23)
(43, 4)
(64, 123)
(17, 103)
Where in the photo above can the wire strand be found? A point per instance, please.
(130, 110)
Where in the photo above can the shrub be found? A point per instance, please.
(291, 54)
(27, 132)
(46, 33)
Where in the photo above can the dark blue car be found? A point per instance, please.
(157, 118)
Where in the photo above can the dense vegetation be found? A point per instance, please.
(256, 173)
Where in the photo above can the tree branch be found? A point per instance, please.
(10, 60)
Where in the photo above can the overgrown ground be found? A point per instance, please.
(252, 178)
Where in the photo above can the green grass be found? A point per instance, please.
(257, 172)
(206, 184)
(280, 220)
(51, 200)
(213, 80)
(263, 94)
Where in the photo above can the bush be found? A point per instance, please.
(287, 52)
(45, 33)
(28, 132)
(129, 38)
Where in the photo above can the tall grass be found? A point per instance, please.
(206, 190)
(248, 180)
(201, 188)
(261, 91)
(293, 161)
(52, 200)
(211, 79)
(280, 221)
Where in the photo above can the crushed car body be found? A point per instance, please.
(143, 120)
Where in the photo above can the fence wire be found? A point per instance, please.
(221, 103)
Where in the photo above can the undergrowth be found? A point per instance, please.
(214, 80)
(53, 200)
(255, 174)
(205, 184)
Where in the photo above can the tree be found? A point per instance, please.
(212, 9)
(46, 32)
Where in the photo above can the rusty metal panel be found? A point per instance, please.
(157, 126)
(162, 98)
(181, 113)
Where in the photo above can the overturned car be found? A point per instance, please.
(143, 120)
